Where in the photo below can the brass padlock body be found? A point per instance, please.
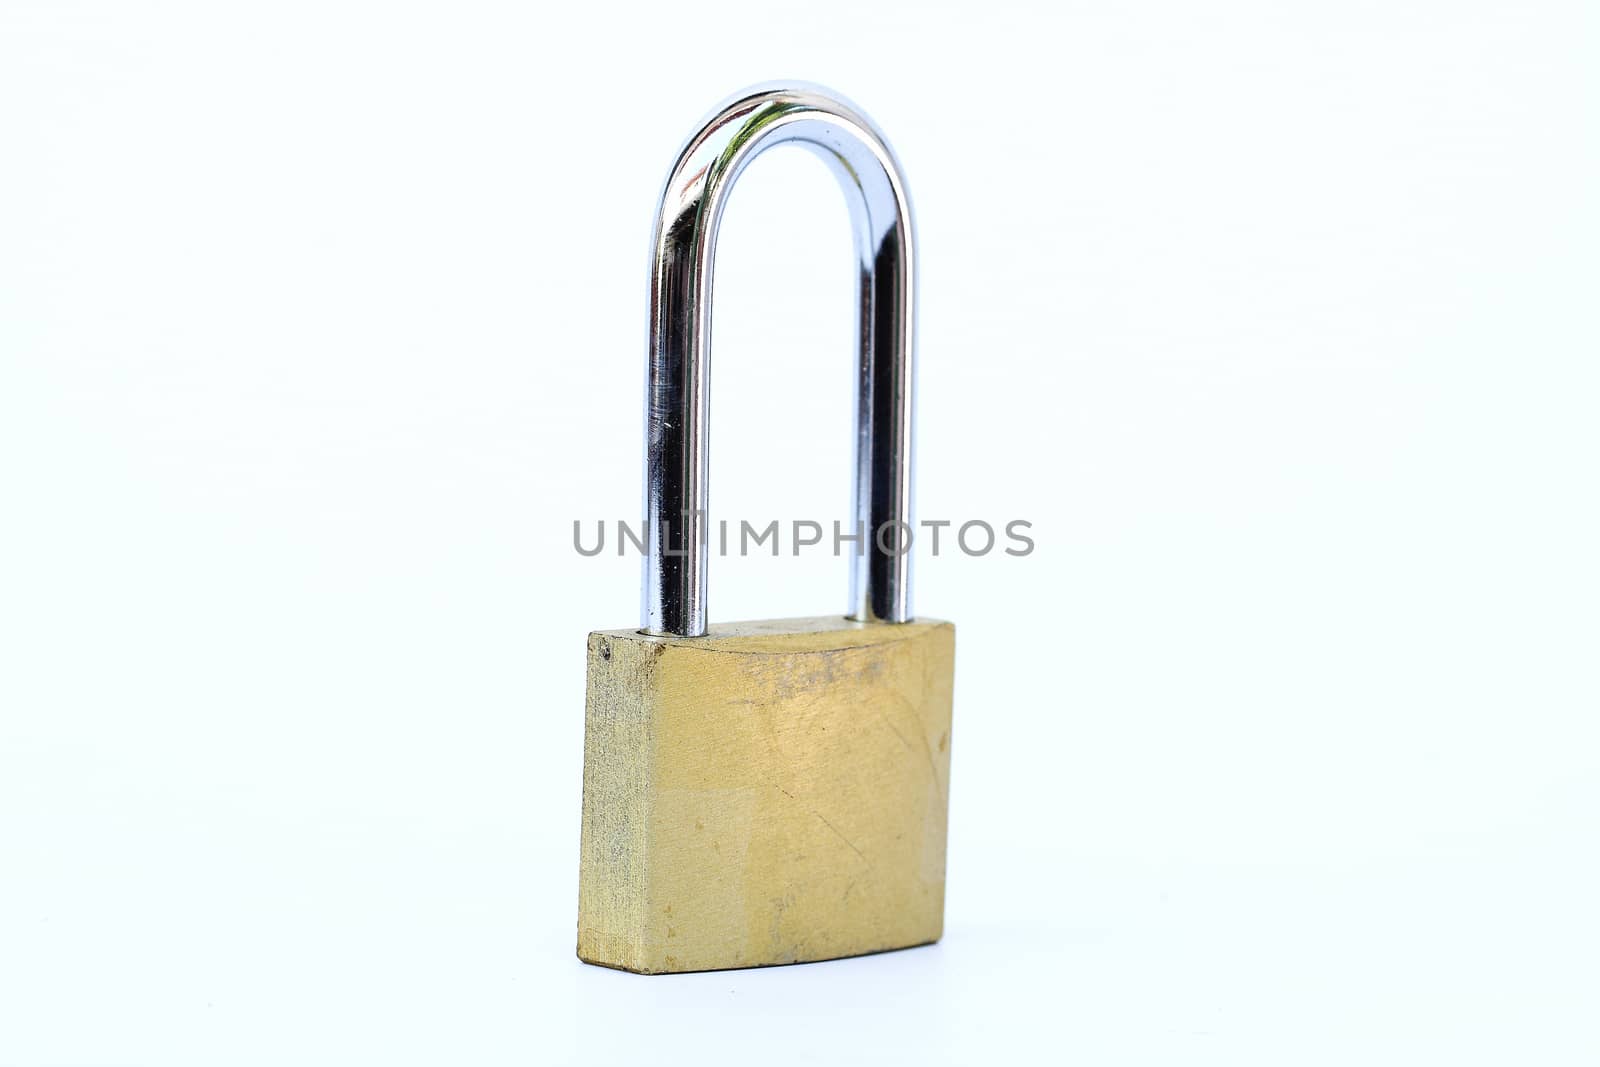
(772, 792)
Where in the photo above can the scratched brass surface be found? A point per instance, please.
(774, 792)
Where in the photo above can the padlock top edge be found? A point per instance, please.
(816, 634)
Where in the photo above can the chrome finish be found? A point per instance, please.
(678, 398)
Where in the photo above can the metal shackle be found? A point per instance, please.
(678, 397)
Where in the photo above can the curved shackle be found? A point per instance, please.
(678, 398)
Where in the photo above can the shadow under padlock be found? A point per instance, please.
(769, 792)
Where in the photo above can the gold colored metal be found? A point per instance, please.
(772, 792)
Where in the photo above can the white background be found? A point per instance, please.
(320, 323)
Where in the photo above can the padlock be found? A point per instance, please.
(769, 792)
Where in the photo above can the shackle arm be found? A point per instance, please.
(678, 397)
